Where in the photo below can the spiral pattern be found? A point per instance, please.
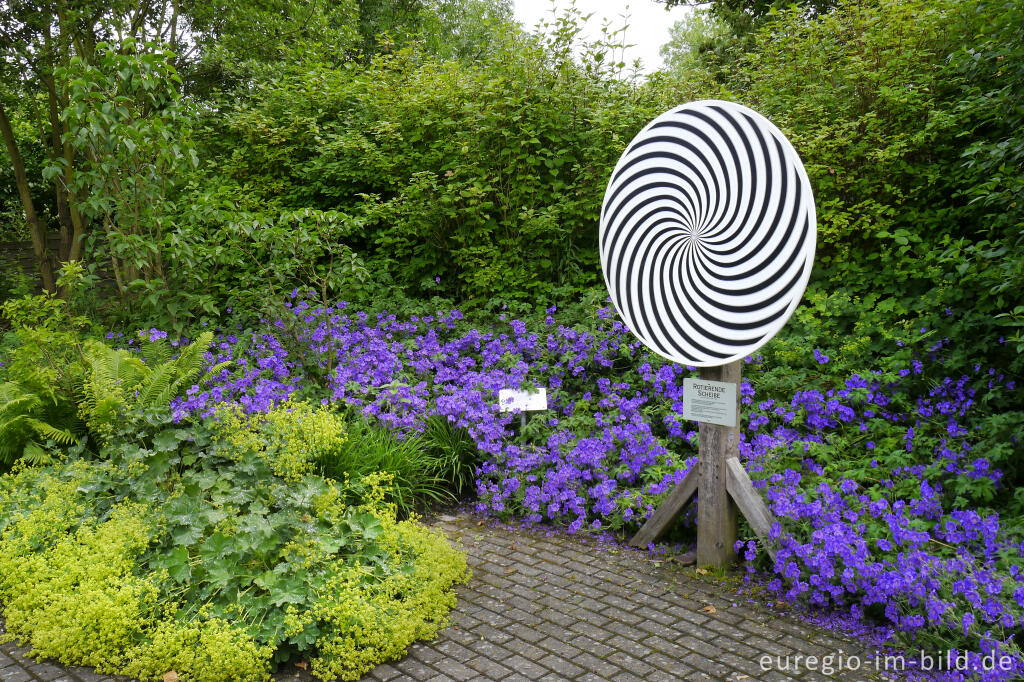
(707, 233)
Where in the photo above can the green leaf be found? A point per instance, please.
(186, 536)
(168, 440)
(215, 546)
(177, 564)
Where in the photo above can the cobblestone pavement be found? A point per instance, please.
(561, 608)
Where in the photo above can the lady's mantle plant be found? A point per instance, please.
(213, 551)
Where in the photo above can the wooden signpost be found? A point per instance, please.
(707, 241)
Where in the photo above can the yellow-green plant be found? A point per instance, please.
(81, 595)
(212, 554)
(367, 622)
(289, 439)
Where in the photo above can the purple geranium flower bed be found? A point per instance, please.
(882, 479)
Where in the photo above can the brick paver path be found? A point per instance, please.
(561, 608)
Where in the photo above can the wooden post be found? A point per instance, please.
(723, 488)
(716, 511)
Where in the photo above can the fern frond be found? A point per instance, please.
(113, 375)
(12, 430)
(35, 455)
(166, 380)
(22, 415)
(59, 436)
(211, 373)
(23, 404)
(157, 352)
(8, 455)
(152, 395)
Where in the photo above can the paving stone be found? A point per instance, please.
(46, 672)
(627, 676)
(715, 667)
(524, 666)
(489, 668)
(627, 645)
(589, 661)
(598, 649)
(665, 662)
(385, 672)
(627, 662)
(561, 666)
(456, 670)
(592, 677)
(14, 674)
(410, 667)
(524, 632)
(595, 633)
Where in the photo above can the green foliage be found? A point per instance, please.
(454, 453)
(471, 181)
(237, 42)
(72, 586)
(40, 373)
(990, 262)
(690, 37)
(210, 552)
(25, 427)
(118, 385)
(289, 439)
(465, 29)
(892, 115)
(259, 257)
(43, 348)
(13, 227)
(125, 120)
(430, 468)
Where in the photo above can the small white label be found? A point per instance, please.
(511, 400)
(711, 402)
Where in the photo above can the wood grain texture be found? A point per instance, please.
(716, 511)
(664, 515)
(750, 502)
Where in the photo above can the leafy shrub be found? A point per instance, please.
(128, 159)
(222, 556)
(78, 594)
(288, 440)
(470, 180)
(371, 448)
(455, 454)
(41, 372)
(908, 137)
(429, 468)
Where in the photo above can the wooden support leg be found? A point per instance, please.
(664, 515)
(750, 502)
(716, 511)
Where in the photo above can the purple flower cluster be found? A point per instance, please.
(870, 479)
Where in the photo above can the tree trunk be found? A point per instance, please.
(60, 188)
(36, 228)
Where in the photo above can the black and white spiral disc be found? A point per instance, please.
(707, 233)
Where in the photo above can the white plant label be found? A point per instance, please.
(512, 400)
(711, 402)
